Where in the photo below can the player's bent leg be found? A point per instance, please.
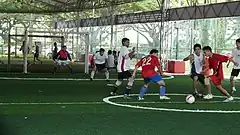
(195, 83)
(224, 92)
(70, 68)
(56, 65)
(232, 83)
(93, 73)
(128, 88)
(162, 91)
(115, 86)
(106, 73)
(144, 89)
(208, 87)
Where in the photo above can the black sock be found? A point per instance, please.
(115, 89)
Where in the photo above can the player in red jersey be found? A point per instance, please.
(148, 64)
(215, 63)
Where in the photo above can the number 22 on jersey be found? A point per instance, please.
(146, 61)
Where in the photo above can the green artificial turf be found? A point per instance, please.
(91, 116)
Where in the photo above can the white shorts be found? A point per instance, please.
(62, 62)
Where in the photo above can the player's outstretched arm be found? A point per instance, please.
(233, 61)
(139, 64)
(134, 72)
(228, 63)
(160, 70)
(130, 55)
(189, 57)
(69, 57)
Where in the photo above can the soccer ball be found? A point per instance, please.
(190, 99)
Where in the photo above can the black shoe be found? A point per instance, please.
(197, 95)
(91, 79)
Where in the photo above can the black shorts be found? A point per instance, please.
(36, 55)
(100, 66)
(201, 77)
(124, 75)
(235, 72)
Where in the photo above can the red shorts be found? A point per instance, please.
(216, 80)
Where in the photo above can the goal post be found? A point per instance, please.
(79, 48)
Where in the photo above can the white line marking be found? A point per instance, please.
(52, 103)
(107, 100)
(174, 102)
(67, 79)
(100, 103)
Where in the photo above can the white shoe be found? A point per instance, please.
(208, 96)
(228, 99)
(234, 89)
(140, 98)
(164, 98)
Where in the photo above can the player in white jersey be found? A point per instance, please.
(236, 67)
(197, 60)
(110, 60)
(123, 67)
(100, 64)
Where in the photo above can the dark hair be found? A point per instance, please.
(238, 40)
(64, 46)
(101, 50)
(96, 51)
(124, 40)
(114, 52)
(109, 52)
(195, 46)
(153, 51)
(55, 43)
(208, 48)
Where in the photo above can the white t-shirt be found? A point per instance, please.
(124, 61)
(100, 59)
(111, 61)
(236, 57)
(198, 62)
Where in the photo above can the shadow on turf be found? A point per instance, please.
(5, 128)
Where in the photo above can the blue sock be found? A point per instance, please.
(162, 90)
(127, 91)
(143, 91)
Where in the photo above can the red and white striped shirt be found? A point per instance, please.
(124, 61)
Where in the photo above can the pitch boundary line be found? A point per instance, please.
(107, 100)
(101, 103)
(66, 79)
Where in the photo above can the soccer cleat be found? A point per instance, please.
(140, 98)
(164, 98)
(91, 79)
(208, 96)
(107, 80)
(228, 99)
(197, 95)
(234, 89)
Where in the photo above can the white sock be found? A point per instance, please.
(92, 74)
(118, 83)
(107, 75)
